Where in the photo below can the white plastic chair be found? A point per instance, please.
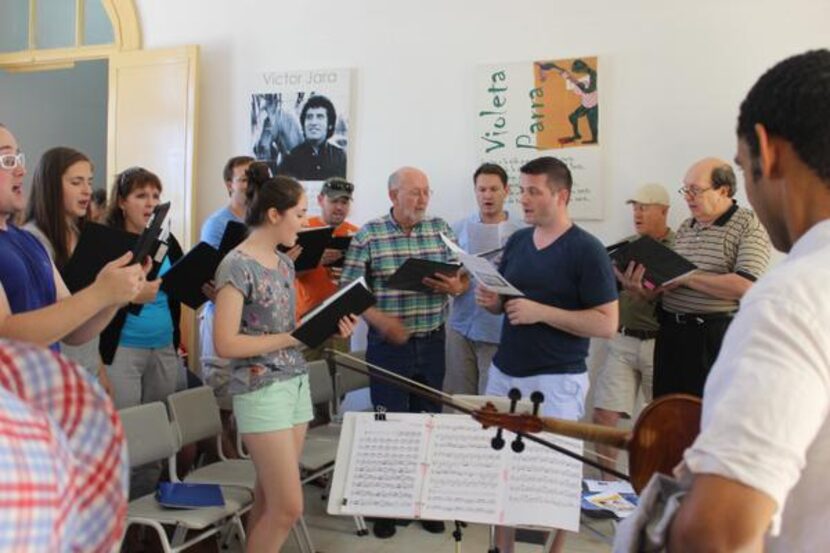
(151, 437)
(196, 414)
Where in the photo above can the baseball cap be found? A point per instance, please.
(337, 187)
(651, 193)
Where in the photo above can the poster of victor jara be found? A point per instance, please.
(300, 123)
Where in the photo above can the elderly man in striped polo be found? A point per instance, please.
(731, 250)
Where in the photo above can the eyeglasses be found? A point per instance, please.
(418, 193)
(692, 191)
(340, 185)
(10, 162)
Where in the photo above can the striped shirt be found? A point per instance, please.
(734, 243)
(380, 247)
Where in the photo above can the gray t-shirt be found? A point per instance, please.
(268, 308)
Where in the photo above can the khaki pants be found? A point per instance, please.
(467, 364)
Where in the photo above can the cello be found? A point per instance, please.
(660, 435)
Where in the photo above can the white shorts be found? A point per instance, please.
(564, 393)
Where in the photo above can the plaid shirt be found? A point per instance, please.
(380, 247)
(63, 459)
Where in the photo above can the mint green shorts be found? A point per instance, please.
(277, 406)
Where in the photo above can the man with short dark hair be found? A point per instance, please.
(759, 465)
(236, 181)
(472, 332)
(731, 250)
(570, 297)
(316, 158)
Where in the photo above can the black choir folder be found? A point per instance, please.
(442, 467)
(97, 246)
(340, 243)
(184, 280)
(321, 322)
(663, 265)
(313, 241)
(411, 274)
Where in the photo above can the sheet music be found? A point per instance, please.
(442, 467)
(556, 495)
(465, 479)
(386, 469)
(483, 238)
(484, 271)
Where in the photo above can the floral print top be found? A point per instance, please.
(268, 308)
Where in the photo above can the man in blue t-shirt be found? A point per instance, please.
(236, 181)
(570, 296)
(35, 305)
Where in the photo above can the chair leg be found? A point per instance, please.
(306, 535)
(296, 537)
(360, 524)
(179, 535)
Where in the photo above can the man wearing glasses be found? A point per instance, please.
(35, 305)
(731, 250)
(316, 285)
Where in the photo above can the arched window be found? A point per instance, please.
(45, 34)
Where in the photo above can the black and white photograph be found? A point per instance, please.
(301, 127)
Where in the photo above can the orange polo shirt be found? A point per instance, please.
(315, 285)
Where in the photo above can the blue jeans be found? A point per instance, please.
(420, 358)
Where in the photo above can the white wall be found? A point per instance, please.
(672, 76)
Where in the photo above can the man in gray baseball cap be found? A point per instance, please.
(628, 368)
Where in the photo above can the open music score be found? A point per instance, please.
(442, 467)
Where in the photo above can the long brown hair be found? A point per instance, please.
(125, 182)
(46, 199)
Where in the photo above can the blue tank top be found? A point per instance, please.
(153, 327)
(25, 272)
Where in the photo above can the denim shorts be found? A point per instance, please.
(277, 406)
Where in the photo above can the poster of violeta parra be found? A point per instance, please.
(547, 107)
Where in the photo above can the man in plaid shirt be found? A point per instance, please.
(406, 329)
(63, 459)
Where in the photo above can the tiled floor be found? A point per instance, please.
(337, 535)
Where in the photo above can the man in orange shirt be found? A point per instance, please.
(317, 284)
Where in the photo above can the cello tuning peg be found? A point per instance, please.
(537, 398)
(517, 445)
(497, 442)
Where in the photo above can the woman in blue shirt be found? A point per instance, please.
(140, 351)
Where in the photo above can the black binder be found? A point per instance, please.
(313, 241)
(151, 238)
(410, 275)
(235, 232)
(340, 243)
(663, 265)
(184, 280)
(321, 322)
(97, 245)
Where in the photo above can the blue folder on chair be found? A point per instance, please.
(180, 495)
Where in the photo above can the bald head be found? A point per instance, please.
(409, 192)
(714, 172)
(405, 175)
